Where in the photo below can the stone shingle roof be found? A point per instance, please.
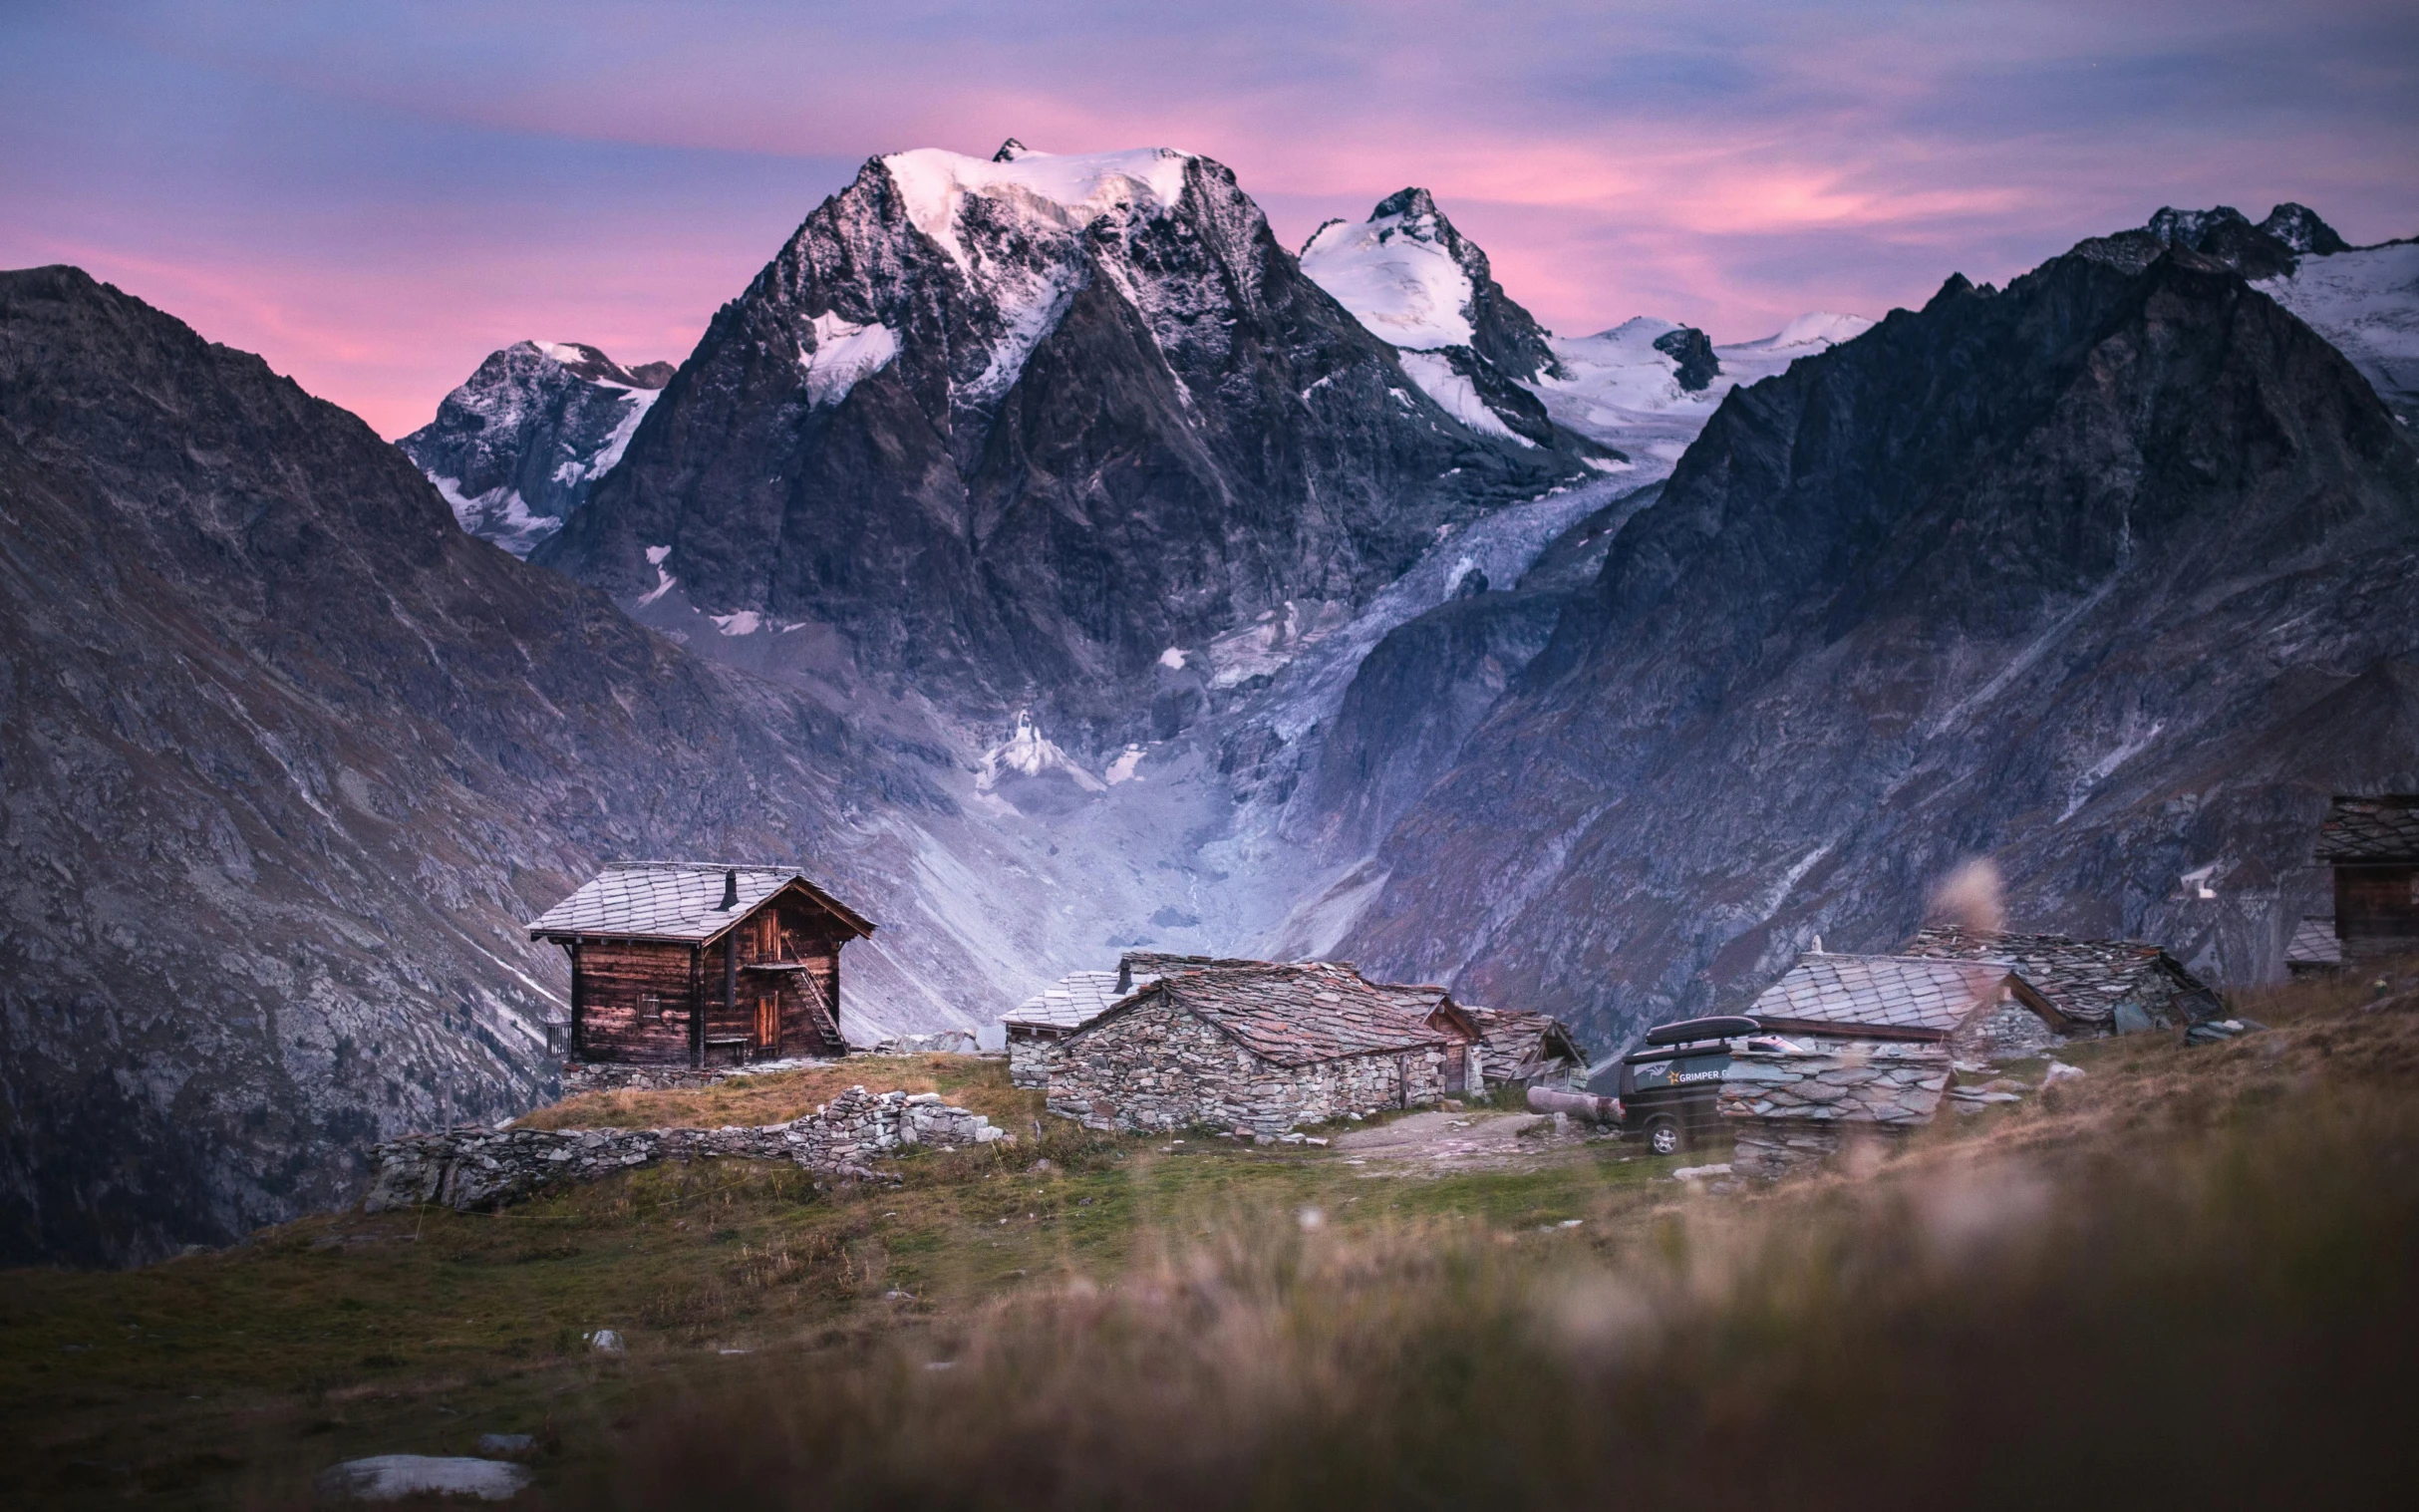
(2315, 944)
(1073, 1001)
(1302, 1014)
(1908, 993)
(2082, 978)
(2370, 829)
(674, 900)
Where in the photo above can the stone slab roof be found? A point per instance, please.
(674, 900)
(1073, 1001)
(2370, 829)
(2315, 944)
(1302, 1014)
(1516, 1036)
(2082, 978)
(1906, 993)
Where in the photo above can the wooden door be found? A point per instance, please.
(1456, 1067)
(768, 1024)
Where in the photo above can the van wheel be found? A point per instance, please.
(1664, 1136)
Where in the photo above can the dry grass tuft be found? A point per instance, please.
(780, 1096)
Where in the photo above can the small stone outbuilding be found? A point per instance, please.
(1265, 1048)
(1523, 1048)
(2098, 987)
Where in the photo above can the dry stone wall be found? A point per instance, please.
(1155, 1066)
(470, 1168)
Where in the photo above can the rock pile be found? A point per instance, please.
(475, 1167)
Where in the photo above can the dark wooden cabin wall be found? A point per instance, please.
(624, 985)
(2378, 909)
(634, 1002)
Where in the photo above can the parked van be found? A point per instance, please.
(1670, 1087)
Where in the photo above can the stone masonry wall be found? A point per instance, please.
(1794, 1111)
(484, 1168)
(1030, 1058)
(1155, 1066)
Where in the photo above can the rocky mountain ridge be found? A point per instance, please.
(2090, 577)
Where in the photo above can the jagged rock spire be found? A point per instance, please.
(1009, 151)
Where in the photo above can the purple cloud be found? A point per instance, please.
(374, 196)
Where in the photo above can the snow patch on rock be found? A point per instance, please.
(841, 354)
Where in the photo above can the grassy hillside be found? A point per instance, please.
(2183, 1277)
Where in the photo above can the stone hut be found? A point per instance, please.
(1976, 1008)
(1264, 1046)
(1523, 1048)
(2098, 987)
(2373, 847)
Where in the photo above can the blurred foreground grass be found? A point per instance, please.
(2184, 1279)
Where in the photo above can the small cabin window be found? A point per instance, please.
(655, 1006)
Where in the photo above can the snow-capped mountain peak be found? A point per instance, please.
(1397, 274)
(1065, 193)
(1418, 284)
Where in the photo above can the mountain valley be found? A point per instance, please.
(1052, 562)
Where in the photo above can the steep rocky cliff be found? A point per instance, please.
(1006, 434)
(518, 446)
(2105, 577)
(285, 761)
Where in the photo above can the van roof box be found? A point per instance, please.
(1688, 1029)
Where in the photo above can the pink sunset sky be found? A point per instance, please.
(375, 195)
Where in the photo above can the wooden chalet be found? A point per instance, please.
(2373, 847)
(679, 963)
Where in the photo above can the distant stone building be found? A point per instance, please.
(679, 963)
(1976, 1008)
(2373, 847)
(1523, 1048)
(2097, 987)
(1263, 1046)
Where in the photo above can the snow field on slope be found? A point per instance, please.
(2366, 304)
(1622, 392)
(1456, 394)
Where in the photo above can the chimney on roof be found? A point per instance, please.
(731, 890)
